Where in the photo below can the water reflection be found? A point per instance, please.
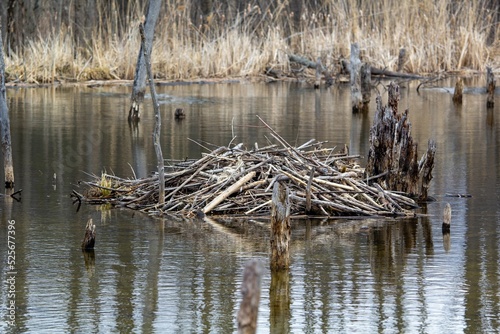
(174, 275)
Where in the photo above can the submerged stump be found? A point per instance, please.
(459, 87)
(393, 155)
(89, 238)
(280, 227)
(355, 79)
(490, 87)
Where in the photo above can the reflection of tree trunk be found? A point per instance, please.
(5, 126)
(139, 87)
(279, 299)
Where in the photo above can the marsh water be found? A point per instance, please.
(166, 275)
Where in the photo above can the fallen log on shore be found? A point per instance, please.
(238, 181)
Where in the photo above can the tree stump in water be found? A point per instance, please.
(89, 239)
(280, 227)
(490, 87)
(393, 156)
(459, 87)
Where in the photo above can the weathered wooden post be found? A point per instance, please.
(89, 238)
(356, 97)
(366, 85)
(157, 129)
(447, 218)
(139, 87)
(250, 289)
(457, 94)
(280, 227)
(319, 68)
(5, 126)
(490, 87)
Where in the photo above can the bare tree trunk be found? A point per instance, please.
(5, 125)
(139, 87)
(157, 129)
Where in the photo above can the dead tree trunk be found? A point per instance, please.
(89, 238)
(139, 87)
(157, 129)
(490, 87)
(249, 307)
(5, 125)
(458, 93)
(356, 97)
(394, 155)
(280, 227)
(366, 85)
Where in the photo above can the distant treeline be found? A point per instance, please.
(438, 34)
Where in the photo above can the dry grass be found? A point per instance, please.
(442, 35)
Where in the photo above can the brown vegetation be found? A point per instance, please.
(50, 40)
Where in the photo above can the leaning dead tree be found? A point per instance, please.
(5, 125)
(157, 129)
(139, 88)
(393, 155)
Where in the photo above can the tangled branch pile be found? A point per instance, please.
(237, 181)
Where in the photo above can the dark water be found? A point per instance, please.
(173, 276)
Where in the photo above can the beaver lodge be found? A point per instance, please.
(321, 181)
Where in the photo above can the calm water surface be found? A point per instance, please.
(181, 276)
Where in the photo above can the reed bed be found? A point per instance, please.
(227, 41)
(238, 181)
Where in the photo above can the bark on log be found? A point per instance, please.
(346, 66)
(89, 238)
(490, 87)
(392, 151)
(139, 87)
(157, 129)
(5, 126)
(280, 227)
(311, 64)
(249, 307)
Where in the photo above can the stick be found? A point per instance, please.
(228, 192)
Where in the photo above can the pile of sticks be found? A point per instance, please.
(238, 181)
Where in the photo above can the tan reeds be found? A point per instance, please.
(442, 35)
